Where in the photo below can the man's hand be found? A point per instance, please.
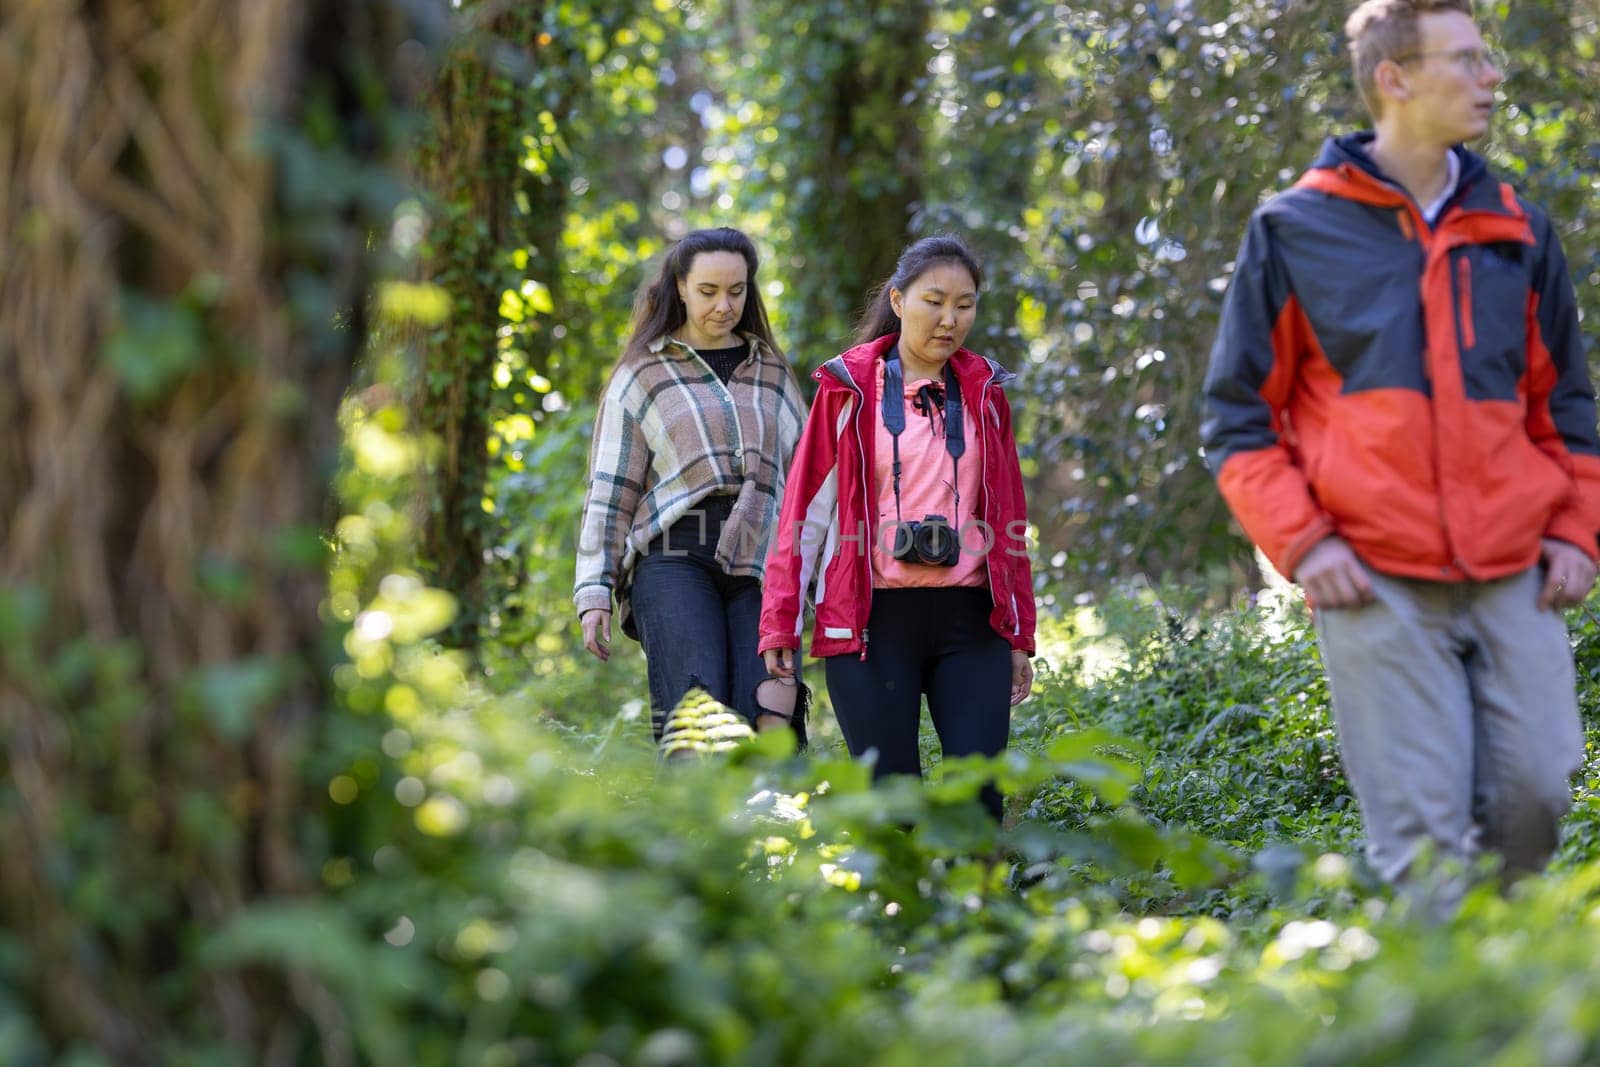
(1568, 574)
(597, 633)
(1333, 577)
(780, 662)
(1021, 677)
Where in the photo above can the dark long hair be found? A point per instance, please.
(658, 309)
(918, 258)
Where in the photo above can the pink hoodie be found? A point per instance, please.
(925, 490)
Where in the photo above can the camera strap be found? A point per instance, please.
(894, 420)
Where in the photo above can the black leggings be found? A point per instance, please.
(933, 641)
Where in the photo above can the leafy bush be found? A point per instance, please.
(504, 887)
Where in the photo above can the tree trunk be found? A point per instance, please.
(185, 210)
(857, 174)
(471, 165)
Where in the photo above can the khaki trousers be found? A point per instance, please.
(1457, 716)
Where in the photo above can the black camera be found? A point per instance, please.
(933, 541)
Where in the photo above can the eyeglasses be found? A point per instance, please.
(1472, 61)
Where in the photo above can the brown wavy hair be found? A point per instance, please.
(658, 309)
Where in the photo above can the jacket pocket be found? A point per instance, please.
(836, 595)
(1494, 353)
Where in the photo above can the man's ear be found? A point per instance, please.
(1392, 81)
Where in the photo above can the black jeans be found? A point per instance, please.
(698, 624)
(926, 641)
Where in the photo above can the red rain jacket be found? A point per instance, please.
(825, 523)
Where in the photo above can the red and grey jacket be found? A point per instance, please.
(1419, 390)
(825, 528)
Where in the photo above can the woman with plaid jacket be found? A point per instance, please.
(693, 439)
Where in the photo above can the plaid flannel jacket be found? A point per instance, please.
(670, 434)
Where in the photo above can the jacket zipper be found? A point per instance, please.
(1425, 235)
(1403, 217)
(870, 490)
(983, 479)
(861, 450)
(1438, 445)
(1461, 283)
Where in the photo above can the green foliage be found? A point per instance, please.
(827, 154)
(541, 885)
(544, 902)
(1232, 711)
(158, 345)
(1103, 162)
(537, 895)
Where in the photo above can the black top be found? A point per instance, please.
(724, 360)
(697, 531)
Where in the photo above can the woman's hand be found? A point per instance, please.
(1021, 676)
(780, 662)
(597, 633)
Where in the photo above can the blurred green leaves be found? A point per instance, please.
(231, 695)
(158, 343)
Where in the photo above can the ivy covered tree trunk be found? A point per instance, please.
(186, 198)
(869, 165)
(471, 163)
(852, 132)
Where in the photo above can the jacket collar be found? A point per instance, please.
(682, 349)
(857, 366)
(1343, 168)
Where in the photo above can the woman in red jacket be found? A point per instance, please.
(904, 509)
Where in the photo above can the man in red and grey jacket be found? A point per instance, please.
(826, 527)
(1399, 413)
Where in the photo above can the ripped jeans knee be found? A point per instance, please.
(786, 699)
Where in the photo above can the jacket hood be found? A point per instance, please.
(857, 365)
(1344, 169)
